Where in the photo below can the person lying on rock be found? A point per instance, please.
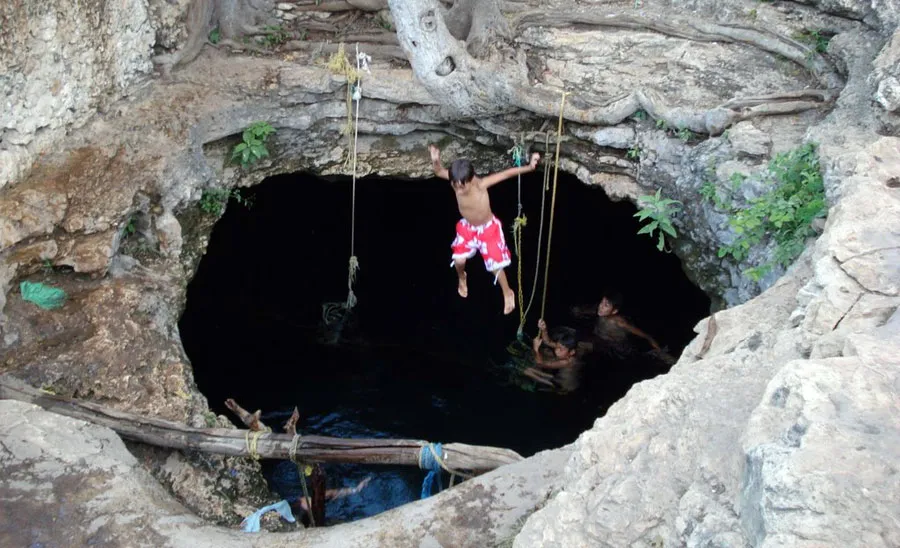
(479, 230)
(557, 358)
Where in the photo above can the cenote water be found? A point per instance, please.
(421, 362)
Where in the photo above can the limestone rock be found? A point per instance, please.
(886, 76)
(821, 445)
(747, 139)
(60, 63)
(615, 137)
(84, 477)
(168, 230)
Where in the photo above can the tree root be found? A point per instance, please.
(376, 51)
(341, 5)
(697, 31)
(713, 121)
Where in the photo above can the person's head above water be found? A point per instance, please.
(609, 305)
(565, 336)
(461, 172)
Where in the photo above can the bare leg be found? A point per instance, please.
(538, 376)
(463, 289)
(509, 298)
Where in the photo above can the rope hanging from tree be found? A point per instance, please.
(562, 106)
(520, 223)
(334, 311)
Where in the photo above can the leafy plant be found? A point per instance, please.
(253, 145)
(816, 38)
(273, 35)
(633, 153)
(130, 227)
(709, 193)
(685, 134)
(215, 35)
(661, 124)
(640, 115)
(785, 212)
(660, 212)
(214, 200)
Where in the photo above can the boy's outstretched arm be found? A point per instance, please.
(439, 170)
(494, 178)
(634, 330)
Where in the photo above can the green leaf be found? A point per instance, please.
(648, 229)
(662, 242)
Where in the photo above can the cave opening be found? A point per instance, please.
(421, 363)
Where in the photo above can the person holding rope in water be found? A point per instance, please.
(479, 230)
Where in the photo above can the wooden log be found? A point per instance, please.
(231, 442)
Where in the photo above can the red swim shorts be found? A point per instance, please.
(487, 239)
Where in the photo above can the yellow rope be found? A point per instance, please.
(562, 106)
(441, 462)
(252, 440)
(545, 184)
(520, 222)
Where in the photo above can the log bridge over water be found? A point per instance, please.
(261, 443)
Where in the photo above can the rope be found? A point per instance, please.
(562, 105)
(518, 154)
(334, 311)
(432, 458)
(251, 440)
(429, 460)
(302, 472)
(523, 311)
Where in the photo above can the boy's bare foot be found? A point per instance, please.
(509, 301)
(463, 288)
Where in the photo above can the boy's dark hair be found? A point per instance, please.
(615, 298)
(461, 171)
(564, 336)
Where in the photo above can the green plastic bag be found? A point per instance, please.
(44, 296)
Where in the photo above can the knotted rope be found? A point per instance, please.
(432, 458)
(518, 224)
(251, 440)
(334, 311)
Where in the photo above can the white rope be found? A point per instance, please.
(335, 311)
(362, 64)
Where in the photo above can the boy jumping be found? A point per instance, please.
(479, 230)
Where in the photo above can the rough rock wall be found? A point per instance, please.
(82, 479)
(61, 63)
(148, 161)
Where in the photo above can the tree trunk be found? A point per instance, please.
(441, 62)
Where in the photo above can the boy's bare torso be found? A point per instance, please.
(474, 202)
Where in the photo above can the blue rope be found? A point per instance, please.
(428, 462)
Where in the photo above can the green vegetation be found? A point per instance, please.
(273, 36)
(660, 212)
(130, 227)
(685, 134)
(640, 115)
(215, 35)
(633, 153)
(795, 198)
(214, 200)
(817, 38)
(253, 145)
